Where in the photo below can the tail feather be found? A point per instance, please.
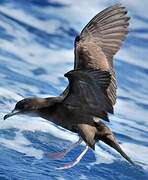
(111, 141)
(105, 134)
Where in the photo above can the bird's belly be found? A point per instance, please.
(62, 118)
(66, 122)
(67, 119)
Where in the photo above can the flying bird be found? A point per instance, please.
(91, 93)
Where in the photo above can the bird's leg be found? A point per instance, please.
(76, 161)
(63, 153)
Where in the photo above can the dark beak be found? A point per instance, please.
(14, 112)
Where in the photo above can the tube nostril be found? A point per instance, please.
(5, 117)
(14, 112)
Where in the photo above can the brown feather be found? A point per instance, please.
(87, 92)
(102, 38)
(91, 92)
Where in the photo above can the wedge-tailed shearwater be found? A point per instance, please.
(91, 92)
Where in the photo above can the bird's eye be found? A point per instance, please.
(20, 106)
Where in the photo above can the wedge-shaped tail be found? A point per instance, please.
(105, 134)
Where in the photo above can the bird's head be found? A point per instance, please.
(26, 106)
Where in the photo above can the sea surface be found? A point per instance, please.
(36, 49)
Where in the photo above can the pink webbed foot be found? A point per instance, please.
(75, 162)
(55, 155)
(62, 154)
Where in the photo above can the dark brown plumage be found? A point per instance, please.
(91, 92)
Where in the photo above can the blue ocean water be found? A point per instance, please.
(36, 49)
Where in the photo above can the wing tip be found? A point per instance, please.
(69, 73)
(66, 74)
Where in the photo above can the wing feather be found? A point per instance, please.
(106, 32)
(87, 92)
(95, 47)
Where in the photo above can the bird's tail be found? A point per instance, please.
(106, 135)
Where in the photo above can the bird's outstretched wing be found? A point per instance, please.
(88, 92)
(95, 47)
(100, 40)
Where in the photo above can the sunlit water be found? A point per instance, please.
(36, 49)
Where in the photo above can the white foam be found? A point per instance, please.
(37, 124)
(137, 7)
(28, 19)
(131, 57)
(102, 156)
(9, 94)
(83, 177)
(132, 111)
(138, 153)
(60, 178)
(21, 144)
